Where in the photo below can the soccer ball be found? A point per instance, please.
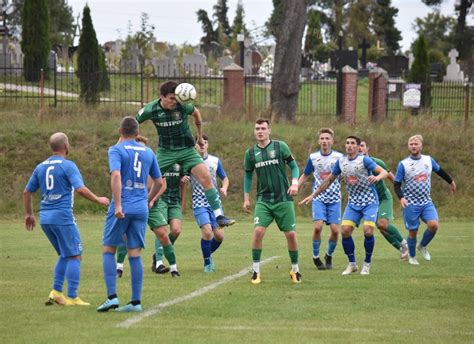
(185, 93)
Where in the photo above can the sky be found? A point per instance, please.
(176, 20)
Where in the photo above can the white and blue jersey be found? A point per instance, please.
(216, 169)
(415, 176)
(321, 165)
(355, 173)
(57, 178)
(134, 162)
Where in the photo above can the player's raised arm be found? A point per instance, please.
(198, 122)
(324, 185)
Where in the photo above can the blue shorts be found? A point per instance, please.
(354, 213)
(330, 213)
(128, 232)
(65, 239)
(205, 216)
(413, 213)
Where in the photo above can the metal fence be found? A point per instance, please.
(316, 97)
(56, 88)
(448, 98)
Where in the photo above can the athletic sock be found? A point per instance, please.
(411, 246)
(256, 255)
(169, 254)
(212, 197)
(391, 240)
(136, 272)
(110, 275)
(316, 246)
(394, 232)
(369, 243)
(427, 237)
(59, 274)
(293, 256)
(206, 251)
(158, 250)
(119, 266)
(121, 254)
(349, 248)
(73, 276)
(331, 247)
(172, 238)
(215, 244)
(173, 267)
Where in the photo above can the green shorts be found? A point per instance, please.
(282, 212)
(186, 157)
(161, 213)
(386, 209)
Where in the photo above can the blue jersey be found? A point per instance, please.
(320, 166)
(355, 173)
(57, 178)
(134, 162)
(216, 169)
(415, 176)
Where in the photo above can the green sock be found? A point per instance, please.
(121, 254)
(169, 254)
(158, 250)
(293, 257)
(256, 254)
(391, 239)
(394, 232)
(172, 238)
(213, 198)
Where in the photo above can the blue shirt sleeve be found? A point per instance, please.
(73, 175)
(400, 175)
(155, 172)
(369, 164)
(220, 170)
(309, 168)
(435, 165)
(33, 183)
(115, 163)
(336, 170)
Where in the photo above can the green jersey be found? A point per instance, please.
(269, 164)
(172, 125)
(172, 195)
(383, 192)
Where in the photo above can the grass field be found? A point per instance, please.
(431, 303)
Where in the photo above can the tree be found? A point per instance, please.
(383, 24)
(438, 31)
(220, 13)
(420, 70)
(61, 21)
(238, 26)
(104, 75)
(88, 60)
(464, 36)
(209, 41)
(143, 38)
(35, 38)
(287, 67)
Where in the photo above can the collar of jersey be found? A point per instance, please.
(266, 145)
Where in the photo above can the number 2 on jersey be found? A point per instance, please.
(137, 165)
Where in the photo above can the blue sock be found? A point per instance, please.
(110, 275)
(427, 237)
(136, 272)
(369, 243)
(316, 245)
(349, 248)
(73, 275)
(215, 244)
(331, 247)
(206, 251)
(411, 242)
(59, 274)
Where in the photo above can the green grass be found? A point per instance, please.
(398, 303)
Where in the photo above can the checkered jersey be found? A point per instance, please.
(216, 170)
(415, 176)
(172, 125)
(355, 173)
(321, 166)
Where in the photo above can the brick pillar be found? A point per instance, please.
(378, 92)
(349, 94)
(233, 87)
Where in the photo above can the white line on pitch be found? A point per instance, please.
(158, 308)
